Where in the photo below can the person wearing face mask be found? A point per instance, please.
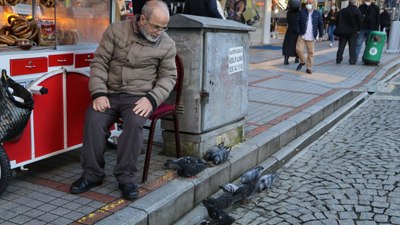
(310, 27)
(371, 21)
(133, 71)
(332, 15)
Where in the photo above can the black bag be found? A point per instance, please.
(255, 18)
(16, 104)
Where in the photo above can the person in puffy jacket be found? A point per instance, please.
(311, 28)
(371, 21)
(133, 71)
(348, 24)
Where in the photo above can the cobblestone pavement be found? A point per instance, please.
(351, 175)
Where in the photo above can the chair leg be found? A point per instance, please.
(177, 139)
(148, 150)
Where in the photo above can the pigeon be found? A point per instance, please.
(251, 175)
(222, 154)
(229, 188)
(218, 154)
(224, 220)
(217, 215)
(266, 181)
(223, 201)
(186, 166)
(244, 191)
(209, 154)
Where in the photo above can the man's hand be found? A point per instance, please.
(101, 104)
(143, 107)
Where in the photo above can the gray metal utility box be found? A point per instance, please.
(215, 56)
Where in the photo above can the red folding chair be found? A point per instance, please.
(163, 110)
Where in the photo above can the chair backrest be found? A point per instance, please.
(179, 81)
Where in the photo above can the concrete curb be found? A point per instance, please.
(272, 149)
(285, 154)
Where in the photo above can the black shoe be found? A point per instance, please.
(338, 62)
(300, 66)
(129, 191)
(286, 60)
(81, 185)
(296, 60)
(352, 63)
(308, 71)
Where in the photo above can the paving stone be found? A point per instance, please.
(395, 220)
(21, 219)
(381, 218)
(346, 222)
(37, 222)
(366, 223)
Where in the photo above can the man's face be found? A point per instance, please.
(152, 27)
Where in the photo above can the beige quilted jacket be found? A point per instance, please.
(126, 62)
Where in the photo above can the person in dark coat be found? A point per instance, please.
(348, 24)
(385, 23)
(207, 8)
(292, 31)
(371, 18)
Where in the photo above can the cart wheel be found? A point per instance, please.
(5, 170)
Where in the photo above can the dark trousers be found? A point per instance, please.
(351, 39)
(130, 141)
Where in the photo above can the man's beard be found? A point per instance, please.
(151, 38)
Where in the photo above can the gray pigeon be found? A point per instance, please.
(229, 188)
(244, 191)
(217, 215)
(223, 201)
(186, 166)
(218, 154)
(266, 181)
(251, 175)
(209, 154)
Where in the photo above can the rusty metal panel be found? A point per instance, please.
(225, 97)
(189, 45)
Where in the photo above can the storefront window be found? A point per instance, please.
(52, 22)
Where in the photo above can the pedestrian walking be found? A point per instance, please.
(133, 71)
(325, 21)
(292, 31)
(239, 8)
(385, 23)
(310, 27)
(332, 15)
(207, 8)
(371, 18)
(348, 24)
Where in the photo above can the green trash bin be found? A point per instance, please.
(374, 47)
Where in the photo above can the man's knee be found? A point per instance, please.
(134, 121)
(96, 119)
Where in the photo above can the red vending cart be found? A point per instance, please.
(59, 40)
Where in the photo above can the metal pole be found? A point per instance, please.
(394, 36)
